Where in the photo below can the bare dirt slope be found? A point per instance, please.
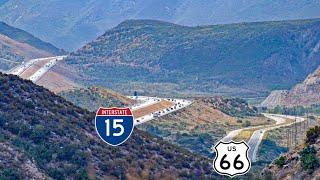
(304, 94)
(22, 49)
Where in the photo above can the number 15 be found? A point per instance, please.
(115, 125)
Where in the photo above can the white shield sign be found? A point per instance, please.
(231, 158)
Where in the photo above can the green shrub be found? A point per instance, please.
(312, 135)
(281, 161)
(39, 134)
(9, 174)
(246, 123)
(309, 159)
(2, 121)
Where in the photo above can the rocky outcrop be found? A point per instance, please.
(275, 98)
(291, 166)
(306, 93)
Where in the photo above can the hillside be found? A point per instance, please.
(44, 136)
(301, 163)
(17, 46)
(305, 93)
(235, 59)
(195, 127)
(70, 24)
(27, 38)
(94, 97)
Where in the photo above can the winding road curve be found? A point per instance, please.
(257, 136)
(34, 69)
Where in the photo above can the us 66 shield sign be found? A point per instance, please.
(232, 158)
(114, 125)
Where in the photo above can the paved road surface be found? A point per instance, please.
(19, 70)
(258, 135)
(145, 102)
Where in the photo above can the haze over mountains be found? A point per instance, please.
(17, 45)
(237, 59)
(70, 24)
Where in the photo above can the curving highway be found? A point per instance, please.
(257, 136)
(38, 69)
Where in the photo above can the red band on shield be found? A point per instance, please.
(114, 111)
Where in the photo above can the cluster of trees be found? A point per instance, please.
(10, 174)
(6, 53)
(297, 110)
(308, 155)
(91, 100)
(235, 107)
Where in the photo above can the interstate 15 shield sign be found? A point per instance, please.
(114, 125)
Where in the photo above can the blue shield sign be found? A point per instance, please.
(114, 125)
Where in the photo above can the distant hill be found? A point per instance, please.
(70, 24)
(17, 45)
(305, 93)
(42, 136)
(25, 37)
(247, 59)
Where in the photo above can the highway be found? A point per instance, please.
(34, 69)
(149, 105)
(257, 136)
(148, 108)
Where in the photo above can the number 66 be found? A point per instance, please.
(236, 161)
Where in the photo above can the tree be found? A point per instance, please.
(312, 135)
(281, 161)
(309, 159)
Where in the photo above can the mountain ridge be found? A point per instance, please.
(17, 46)
(25, 37)
(221, 59)
(71, 24)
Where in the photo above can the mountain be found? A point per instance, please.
(247, 59)
(25, 37)
(17, 45)
(305, 93)
(70, 24)
(43, 136)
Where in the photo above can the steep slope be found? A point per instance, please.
(56, 139)
(69, 24)
(301, 163)
(245, 59)
(303, 94)
(17, 45)
(94, 97)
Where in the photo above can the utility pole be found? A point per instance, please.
(295, 126)
(307, 118)
(288, 139)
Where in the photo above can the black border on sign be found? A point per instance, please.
(230, 142)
